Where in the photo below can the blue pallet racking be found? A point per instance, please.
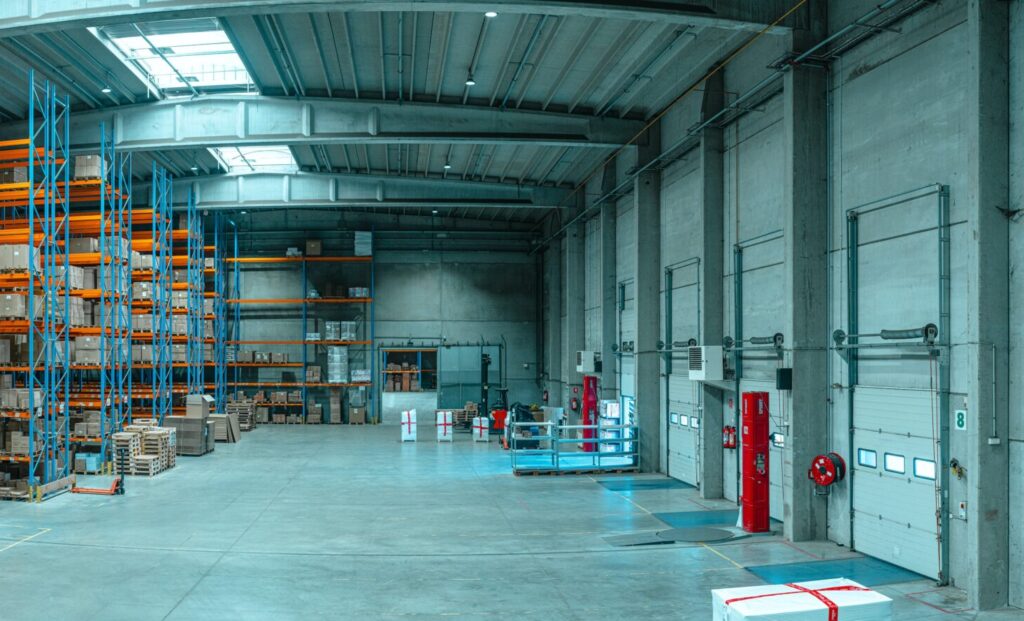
(40, 205)
(196, 298)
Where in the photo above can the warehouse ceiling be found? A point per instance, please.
(482, 76)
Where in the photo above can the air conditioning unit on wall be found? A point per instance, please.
(706, 364)
(588, 362)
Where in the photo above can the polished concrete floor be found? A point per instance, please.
(348, 523)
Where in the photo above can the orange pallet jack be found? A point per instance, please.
(116, 487)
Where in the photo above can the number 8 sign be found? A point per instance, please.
(960, 420)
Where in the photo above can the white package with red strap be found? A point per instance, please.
(481, 429)
(409, 426)
(821, 600)
(444, 426)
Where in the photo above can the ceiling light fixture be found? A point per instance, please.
(243, 212)
(105, 90)
(491, 14)
(435, 212)
(194, 168)
(470, 81)
(447, 166)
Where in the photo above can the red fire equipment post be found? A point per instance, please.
(755, 462)
(589, 414)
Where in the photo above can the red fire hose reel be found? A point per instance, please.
(827, 470)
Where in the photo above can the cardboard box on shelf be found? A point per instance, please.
(244, 355)
(83, 245)
(279, 396)
(261, 357)
(88, 166)
(313, 374)
(314, 247)
(278, 358)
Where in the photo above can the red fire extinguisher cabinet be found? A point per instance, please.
(755, 497)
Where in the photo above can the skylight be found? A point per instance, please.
(258, 159)
(181, 56)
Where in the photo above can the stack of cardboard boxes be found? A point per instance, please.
(195, 430)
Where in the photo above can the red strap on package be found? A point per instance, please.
(833, 609)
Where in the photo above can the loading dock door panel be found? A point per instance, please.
(683, 397)
(893, 477)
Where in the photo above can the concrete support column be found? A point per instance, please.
(987, 127)
(609, 287)
(573, 331)
(553, 345)
(712, 171)
(647, 215)
(806, 325)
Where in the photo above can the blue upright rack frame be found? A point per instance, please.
(196, 299)
(220, 327)
(47, 378)
(162, 379)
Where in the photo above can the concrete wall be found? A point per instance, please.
(905, 109)
(880, 148)
(1016, 301)
(471, 298)
(428, 298)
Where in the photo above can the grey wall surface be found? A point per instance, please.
(899, 114)
(1016, 301)
(430, 298)
(466, 298)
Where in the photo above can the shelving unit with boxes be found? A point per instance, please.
(152, 315)
(34, 454)
(335, 335)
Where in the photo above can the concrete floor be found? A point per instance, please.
(348, 523)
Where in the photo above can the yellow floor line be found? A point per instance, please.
(21, 541)
(706, 546)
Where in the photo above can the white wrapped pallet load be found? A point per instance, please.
(444, 426)
(409, 426)
(820, 600)
(481, 429)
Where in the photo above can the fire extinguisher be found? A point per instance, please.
(574, 404)
(729, 437)
(545, 396)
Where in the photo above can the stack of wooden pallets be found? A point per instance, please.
(150, 449)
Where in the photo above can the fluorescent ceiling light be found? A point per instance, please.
(491, 14)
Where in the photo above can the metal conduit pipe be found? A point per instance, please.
(752, 92)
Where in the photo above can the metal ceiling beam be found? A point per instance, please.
(276, 190)
(24, 17)
(219, 121)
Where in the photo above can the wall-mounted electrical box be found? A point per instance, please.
(706, 364)
(588, 362)
(784, 379)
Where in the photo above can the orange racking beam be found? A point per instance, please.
(299, 259)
